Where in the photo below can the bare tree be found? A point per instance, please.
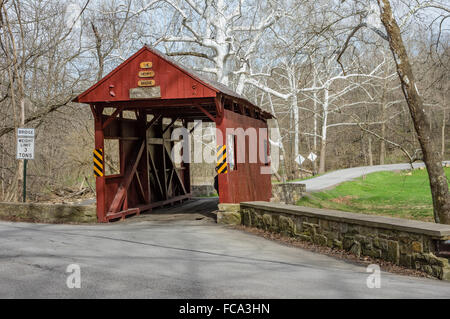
(28, 52)
(428, 142)
(224, 35)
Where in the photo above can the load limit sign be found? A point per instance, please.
(25, 143)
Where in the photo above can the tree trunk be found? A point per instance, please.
(369, 151)
(283, 153)
(98, 47)
(20, 165)
(323, 145)
(323, 149)
(294, 105)
(431, 153)
(383, 144)
(383, 124)
(315, 126)
(443, 134)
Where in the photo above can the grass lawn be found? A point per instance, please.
(402, 194)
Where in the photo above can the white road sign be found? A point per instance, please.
(25, 143)
(25, 132)
(312, 157)
(299, 159)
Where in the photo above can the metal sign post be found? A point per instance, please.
(24, 192)
(25, 151)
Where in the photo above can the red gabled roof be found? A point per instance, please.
(175, 81)
(80, 97)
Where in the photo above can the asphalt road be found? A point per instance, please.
(332, 179)
(180, 255)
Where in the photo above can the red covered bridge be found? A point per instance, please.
(162, 94)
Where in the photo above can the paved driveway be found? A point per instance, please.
(191, 257)
(332, 179)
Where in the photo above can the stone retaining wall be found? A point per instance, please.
(403, 242)
(203, 190)
(48, 213)
(229, 214)
(289, 193)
